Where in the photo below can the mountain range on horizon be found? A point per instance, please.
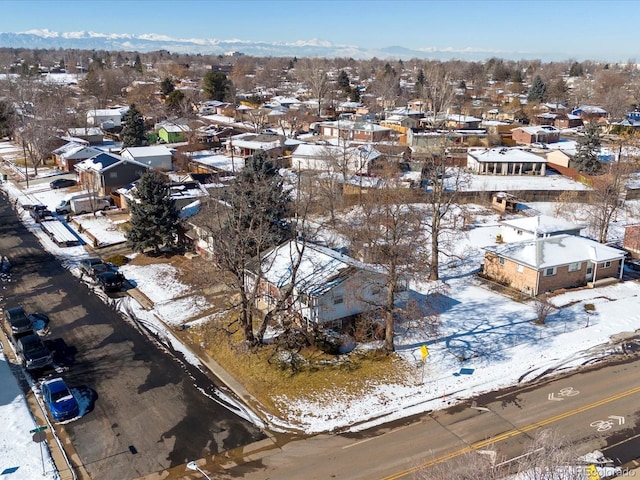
(46, 39)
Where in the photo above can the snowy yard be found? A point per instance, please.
(486, 340)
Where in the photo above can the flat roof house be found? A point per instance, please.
(505, 161)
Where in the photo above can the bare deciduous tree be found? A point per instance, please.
(313, 74)
(386, 229)
(445, 217)
(549, 456)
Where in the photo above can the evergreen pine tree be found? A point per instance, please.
(259, 186)
(343, 80)
(587, 148)
(166, 86)
(216, 85)
(133, 128)
(154, 217)
(537, 90)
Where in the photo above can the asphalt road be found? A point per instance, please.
(148, 409)
(597, 408)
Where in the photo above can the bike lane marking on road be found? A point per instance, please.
(512, 433)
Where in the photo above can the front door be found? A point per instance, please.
(589, 275)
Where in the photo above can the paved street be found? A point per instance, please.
(150, 412)
(597, 409)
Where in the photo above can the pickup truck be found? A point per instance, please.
(40, 213)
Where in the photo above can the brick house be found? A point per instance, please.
(537, 133)
(547, 264)
(355, 131)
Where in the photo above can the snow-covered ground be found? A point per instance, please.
(486, 341)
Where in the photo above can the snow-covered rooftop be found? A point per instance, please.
(504, 154)
(556, 250)
(542, 224)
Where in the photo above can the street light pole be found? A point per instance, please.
(193, 466)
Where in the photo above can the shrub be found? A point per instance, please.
(117, 260)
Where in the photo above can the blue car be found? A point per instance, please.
(59, 399)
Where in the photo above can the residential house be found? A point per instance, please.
(157, 157)
(432, 141)
(547, 264)
(451, 120)
(505, 161)
(540, 226)
(68, 155)
(92, 135)
(590, 113)
(333, 158)
(328, 286)
(215, 163)
(559, 158)
(400, 123)
(558, 120)
(184, 193)
(246, 144)
(106, 172)
(107, 118)
(173, 132)
(355, 131)
(535, 134)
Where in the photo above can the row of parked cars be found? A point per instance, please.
(105, 275)
(32, 351)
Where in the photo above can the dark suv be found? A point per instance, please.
(17, 319)
(33, 352)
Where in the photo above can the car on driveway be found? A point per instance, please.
(33, 352)
(59, 399)
(110, 281)
(63, 183)
(94, 266)
(17, 320)
(40, 213)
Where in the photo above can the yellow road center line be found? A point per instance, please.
(513, 433)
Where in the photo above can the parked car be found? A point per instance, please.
(40, 213)
(110, 281)
(17, 320)
(94, 266)
(63, 183)
(633, 265)
(33, 352)
(59, 399)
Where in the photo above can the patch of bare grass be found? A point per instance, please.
(266, 379)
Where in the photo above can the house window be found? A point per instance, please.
(605, 264)
(574, 267)
(520, 268)
(501, 260)
(338, 300)
(113, 174)
(549, 271)
(519, 232)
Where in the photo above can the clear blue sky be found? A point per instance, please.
(596, 29)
